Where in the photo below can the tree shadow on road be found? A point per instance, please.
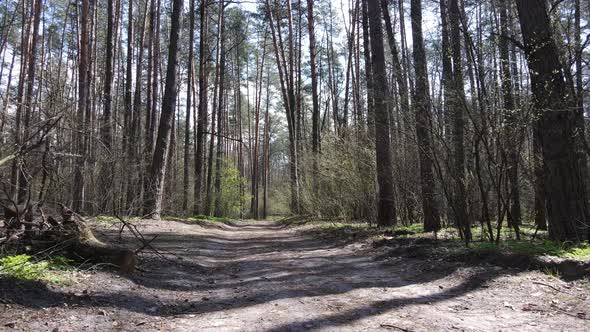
(254, 267)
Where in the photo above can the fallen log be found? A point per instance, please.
(86, 245)
(72, 237)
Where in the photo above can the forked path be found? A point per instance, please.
(265, 277)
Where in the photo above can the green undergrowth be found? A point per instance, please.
(200, 219)
(579, 251)
(532, 243)
(55, 270)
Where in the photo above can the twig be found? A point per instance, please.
(141, 238)
(565, 312)
(551, 286)
(146, 245)
(395, 327)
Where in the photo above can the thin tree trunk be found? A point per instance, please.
(78, 192)
(285, 78)
(459, 110)
(315, 131)
(254, 211)
(220, 112)
(368, 73)
(187, 124)
(128, 94)
(511, 120)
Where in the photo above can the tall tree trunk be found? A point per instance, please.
(202, 120)
(208, 184)
(386, 213)
(294, 149)
(315, 131)
(23, 183)
(581, 122)
(399, 74)
(187, 124)
(423, 123)
(217, 212)
(78, 192)
(153, 202)
(459, 110)
(151, 112)
(24, 58)
(368, 73)
(254, 203)
(133, 163)
(128, 94)
(266, 154)
(288, 94)
(513, 137)
(447, 67)
(105, 177)
(563, 160)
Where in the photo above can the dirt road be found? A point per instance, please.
(264, 277)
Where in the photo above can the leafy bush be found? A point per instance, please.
(345, 186)
(231, 199)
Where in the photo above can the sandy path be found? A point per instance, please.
(261, 277)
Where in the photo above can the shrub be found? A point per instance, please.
(233, 202)
(345, 185)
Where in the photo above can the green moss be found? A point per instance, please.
(23, 267)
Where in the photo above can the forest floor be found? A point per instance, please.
(266, 276)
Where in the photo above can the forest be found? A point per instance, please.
(270, 165)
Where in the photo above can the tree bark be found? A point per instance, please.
(153, 202)
(315, 131)
(217, 212)
(368, 73)
(105, 189)
(513, 137)
(78, 192)
(386, 210)
(187, 125)
(563, 160)
(423, 123)
(459, 109)
(202, 120)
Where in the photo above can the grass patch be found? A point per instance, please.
(25, 268)
(579, 251)
(210, 218)
(449, 238)
(339, 230)
(338, 227)
(200, 218)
